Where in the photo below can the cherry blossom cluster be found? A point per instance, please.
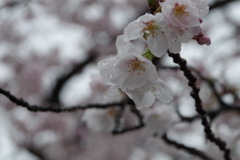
(131, 70)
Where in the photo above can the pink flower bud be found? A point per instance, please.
(202, 39)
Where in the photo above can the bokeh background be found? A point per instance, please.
(48, 55)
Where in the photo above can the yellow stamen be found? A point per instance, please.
(180, 10)
(136, 65)
(150, 29)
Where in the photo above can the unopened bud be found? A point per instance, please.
(202, 39)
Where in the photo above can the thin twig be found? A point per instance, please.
(190, 150)
(61, 81)
(37, 108)
(133, 128)
(118, 118)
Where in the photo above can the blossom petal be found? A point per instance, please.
(104, 67)
(111, 75)
(175, 47)
(142, 100)
(132, 31)
(203, 7)
(162, 92)
(135, 78)
(125, 47)
(158, 45)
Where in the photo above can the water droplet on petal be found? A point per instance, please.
(157, 91)
(110, 76)
(103, 63)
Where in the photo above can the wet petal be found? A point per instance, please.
(158, 45)
(162, 92)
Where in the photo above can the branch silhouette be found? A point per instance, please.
(190, 150)
(198, 104)
(61, 81)
(37, 108)
(223, 107)
(57, 109)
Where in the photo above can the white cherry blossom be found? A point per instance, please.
(146, 95)
(126, 47)
(135, 75)
(127, 71)
(178, 35)
(184, 13)
(151, 28)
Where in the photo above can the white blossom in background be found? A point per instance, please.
(161, 156)
(99, 120)
(102, 93)
(159, 119)
(151, 28)
(138, 154)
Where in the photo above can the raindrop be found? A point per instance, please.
(157, 91)
(110, 76)
(103, 63)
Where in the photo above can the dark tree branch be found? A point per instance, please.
(60, 82)
(14, 3)
(213, 88)
(36, 152)
(186, 119)
(190, 150)
(135, 111)
(128, 129)
(37, 108)
(224, 107)
(133, 128)
(198, 104)
(118, 118)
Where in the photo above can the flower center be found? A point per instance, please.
(150, 29)
(180, 10)
(136, 65)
